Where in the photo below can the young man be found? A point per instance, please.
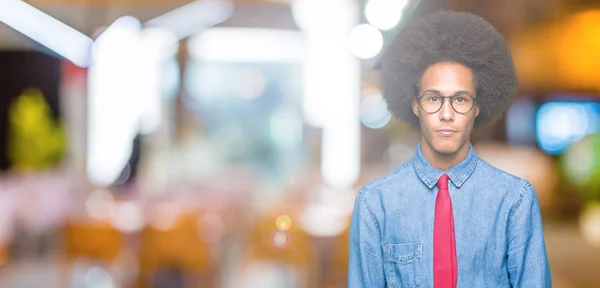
(446, 218)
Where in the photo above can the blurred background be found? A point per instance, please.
(221, 143)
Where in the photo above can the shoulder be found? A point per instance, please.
(373, 186)
(500, 176)
(519, 189)
(372, 196)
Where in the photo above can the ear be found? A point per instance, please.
(477, 110)
(415, 107)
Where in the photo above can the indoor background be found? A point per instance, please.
(170, 143)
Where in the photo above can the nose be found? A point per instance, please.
(446, 112)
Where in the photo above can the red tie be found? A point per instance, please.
(445, 268)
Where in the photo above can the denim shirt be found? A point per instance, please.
(498, 228)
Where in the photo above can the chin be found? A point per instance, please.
(446, 146)
(446, 149)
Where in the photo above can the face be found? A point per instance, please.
(446, 131)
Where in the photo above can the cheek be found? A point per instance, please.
(428, 121)
(469, 122)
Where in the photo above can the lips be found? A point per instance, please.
(446, 132)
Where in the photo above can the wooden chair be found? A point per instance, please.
(89, 240)
(179, 246)
(295, 250)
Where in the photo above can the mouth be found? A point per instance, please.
(446, 132)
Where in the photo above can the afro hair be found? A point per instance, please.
(448, 36)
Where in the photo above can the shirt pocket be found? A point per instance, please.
(404, 265)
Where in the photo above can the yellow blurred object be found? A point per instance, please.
(297, 251)
(589, 224)
(283, 222)
(337, 266)
(530, 54)
(571, 47)
(35, 140)
(292, 247)
(96, 241)
(179, 245)
(3, 256)
(578, 50)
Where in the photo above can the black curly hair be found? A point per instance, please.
(448, 36)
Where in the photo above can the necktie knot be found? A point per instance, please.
(443, 182)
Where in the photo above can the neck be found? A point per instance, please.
(442, 161)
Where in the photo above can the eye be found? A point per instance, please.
(433, 98)
(460, 99)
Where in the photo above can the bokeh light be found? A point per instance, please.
(280, 239)
(163, 43)
(97, 277)
(559, 124)
(331, 15)
(385, 14)
(100, 204)
(590, 224)
(581, 165)
(374, 112)
(579, 162)
(326, 218)
(283, 222)
(164, 216)
(365, 41)
(128, 217)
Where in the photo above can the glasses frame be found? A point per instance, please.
(450, 98)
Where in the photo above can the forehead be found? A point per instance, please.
(447, 78)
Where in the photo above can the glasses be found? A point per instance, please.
(432, 102)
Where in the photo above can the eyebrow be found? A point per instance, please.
(455, 93)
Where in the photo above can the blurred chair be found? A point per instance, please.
(284, 259)
(88, 240)
(176, 253)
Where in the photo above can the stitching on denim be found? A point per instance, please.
(482, 163)
(422, 175)
(471, 167)
(515, 208)
(380, 180)
(371, 214)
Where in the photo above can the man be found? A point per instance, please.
(446, 218)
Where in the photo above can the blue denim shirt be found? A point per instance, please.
(498, 228)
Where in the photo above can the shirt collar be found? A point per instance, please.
(458, 173)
